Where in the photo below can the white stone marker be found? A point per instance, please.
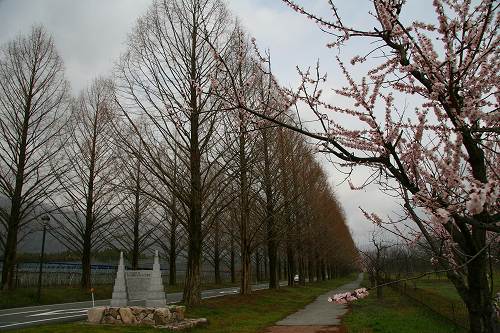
(119, 297)
(156, 294)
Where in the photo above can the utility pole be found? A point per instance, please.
(45, 220)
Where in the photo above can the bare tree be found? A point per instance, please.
(138, 219)
(87, 201)
(33, 93)
(375, 261)
(166, 76)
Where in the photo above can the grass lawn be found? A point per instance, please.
(54, 295)
(235, 313)
(443, 288)
(394, 314)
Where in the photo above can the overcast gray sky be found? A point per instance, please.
(90, 35)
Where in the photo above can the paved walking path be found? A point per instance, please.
(319, 316)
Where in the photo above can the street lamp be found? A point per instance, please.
(45, 220)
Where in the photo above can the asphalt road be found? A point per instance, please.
(57, 313)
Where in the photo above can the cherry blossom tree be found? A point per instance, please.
(438, 157)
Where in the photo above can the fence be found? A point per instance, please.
(453, 311)
(69, 275)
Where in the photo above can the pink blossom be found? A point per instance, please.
(344, 298)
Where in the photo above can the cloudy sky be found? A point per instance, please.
(91, 34)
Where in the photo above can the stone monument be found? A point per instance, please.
(138, 285)
(142, 285)
(119, 297)
(156, 294)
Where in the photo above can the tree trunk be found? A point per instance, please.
(246, 277)
(257, 266)
(309, 269)
(286, 208)
(278, 269)
(475, 292)
(137, 213)
(172, 255)
(172, 269)
(192, 287)
(86, 264)
(232, 261)
(290, 264)
(217, 254)
(302, 270)
(272, 249)
(266, 264)
(317, 265)
(245, 245)
(10, 252)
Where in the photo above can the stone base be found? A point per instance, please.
(185, 324)
(134, 315)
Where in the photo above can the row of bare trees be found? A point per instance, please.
(158, 157)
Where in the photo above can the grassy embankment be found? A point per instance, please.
(235, 313)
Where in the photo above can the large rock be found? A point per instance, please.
(180, 312)
(148, 321)
(127, 316)
(136, 310)
(162, 316)
(95, 315)
(108, 319)
(112, 311)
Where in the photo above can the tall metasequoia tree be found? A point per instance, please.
(166, 75)
(286, 162)
(137, 223)
(87, 200)
(244, 144)
(33, 94)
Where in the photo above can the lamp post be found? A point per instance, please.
(45, 219)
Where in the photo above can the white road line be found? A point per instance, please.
(41, 306)
(16, 313)
(40, 320)
(212, 296)
(60, 312)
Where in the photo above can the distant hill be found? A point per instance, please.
(32, 243)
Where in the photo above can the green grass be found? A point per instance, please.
(446, 289)
(394, 314)
(443, 288)
(235, 313)
(28, 296)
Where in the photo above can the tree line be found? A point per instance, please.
(158, 156)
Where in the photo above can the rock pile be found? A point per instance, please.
(171, 317)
